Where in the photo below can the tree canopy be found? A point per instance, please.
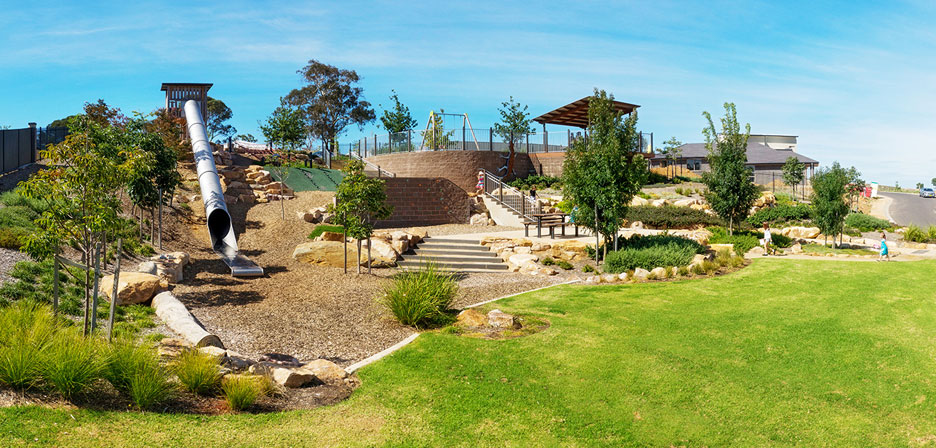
(828, 199)
(672, 151)
(216, 121)
(399, 118)
(330, 101)
(284, 127)
(603, 173)
(731, 191)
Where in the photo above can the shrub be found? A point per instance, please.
(683, 271)
(565, 265)
(652, 276)
(680, 191)
(420, 298)
(648, 252)
(698, 269)
(918, 235)
(780, 213)
(708, 266)
(745, 240)
(241, 391)
(13, 237)
(26, 329)
(866, 223)
(541, 182)
(548, 261)
(669, 272)
(322, 228)
(588, 268)
(670, 217)
(565, 206)
(198, 372)
(71, 363)
(149, 386)
(645, 241)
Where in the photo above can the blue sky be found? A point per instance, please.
(855, 80)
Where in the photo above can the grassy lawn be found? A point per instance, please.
(821, 249)
(785, 352)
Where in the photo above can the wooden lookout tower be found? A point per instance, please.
(178, 93)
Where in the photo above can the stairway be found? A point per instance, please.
(456, 255)
(502, 215)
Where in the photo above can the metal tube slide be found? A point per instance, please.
(220, 227)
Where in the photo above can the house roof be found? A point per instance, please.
(165, 85)
(757, 153)
(576, 113)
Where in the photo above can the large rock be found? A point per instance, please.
(479, 219)
(522, 262)
(796, 249)
(500, 319)
(291, 377)
(471, 318)
(133, 287)
(170, 266)
(382, 253)
(330, 236)
(637, 200)
(326, 371)
(684, 202)
(641, 274)
(658, 202)
(327, 253)
(801, 232)
(659, 272)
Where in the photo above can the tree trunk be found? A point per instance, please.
(597, 239)
(731, 225)
(358, 261)
(368, 256)
(85, 260)
(345, 240)
(283, 202)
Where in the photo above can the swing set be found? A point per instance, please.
(436, 138)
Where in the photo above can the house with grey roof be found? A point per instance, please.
(766, 155)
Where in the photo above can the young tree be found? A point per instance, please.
(513, 127)
(399, 119)
(828, 199)
(80, 189)
(933, 181)
(151, 172)
(731, 192)
(855, 186)
(794, 172)
(672, 151)
(172, 131)
(359, 202)
(919, 185)
(330, 101)
(216, 121)
(603, 173)
(284, 130)
(246, 137)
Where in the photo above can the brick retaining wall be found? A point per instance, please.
(461, 167)
(548, 163)
(421, 201)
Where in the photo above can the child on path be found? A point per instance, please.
(480, 185)
(767, 238)
(884, 255)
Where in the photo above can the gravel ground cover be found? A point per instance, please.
(303, 310)
(8, 259)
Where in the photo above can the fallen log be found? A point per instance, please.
(178, 318)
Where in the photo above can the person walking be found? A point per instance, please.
(767, 239)
(480, 187)
(884, 255)
(533, 192)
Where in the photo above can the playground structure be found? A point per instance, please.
(220, 227)
(441, 139)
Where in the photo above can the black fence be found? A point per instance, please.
(18, 147)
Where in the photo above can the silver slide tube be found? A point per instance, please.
(220, 227)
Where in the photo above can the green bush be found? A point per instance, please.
(918, 235)
(26, 330)
(780, 213)
(670, 217)
(565, 206)
(420, 298)
(13, 237)
(866, 223)
(651, 251)
(322, 228)
(565, 265)
(241, 391)
(745, 240)
(124, 359)
(682, 271)
(541, 182)
(149, 385)
(548, 261)
(588, 268)
(198, 372)
(71, 363)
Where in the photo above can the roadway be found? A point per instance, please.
(909, 208)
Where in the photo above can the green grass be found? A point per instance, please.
(322, 228)
(311, 179)
(820, 249)
(782, 353)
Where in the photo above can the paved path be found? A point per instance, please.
(908, 208)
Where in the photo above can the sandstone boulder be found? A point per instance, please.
(658, 202)
(327, 253)
(637, 200)
(659, 272)
(609, 278)
(641, 274)
(133, 287)
(684, 202)
(291, 377)
(326, 371)
(170, 348)
(382, 253)
(471, 318)
(330, 236)
(479, 219)
(636, 225)
(500, 319)
(801, 232)
(796, 249)
(147, 267)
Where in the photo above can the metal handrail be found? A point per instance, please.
(515, 200)
(380, 171)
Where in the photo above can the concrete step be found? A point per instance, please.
(446, 246)
(447, 259)
(415, 262)
(435, 252)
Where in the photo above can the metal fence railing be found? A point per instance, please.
(467, 139)
(19, 147)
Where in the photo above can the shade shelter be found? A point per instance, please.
(575, 114)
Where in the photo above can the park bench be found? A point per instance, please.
(547, 220)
